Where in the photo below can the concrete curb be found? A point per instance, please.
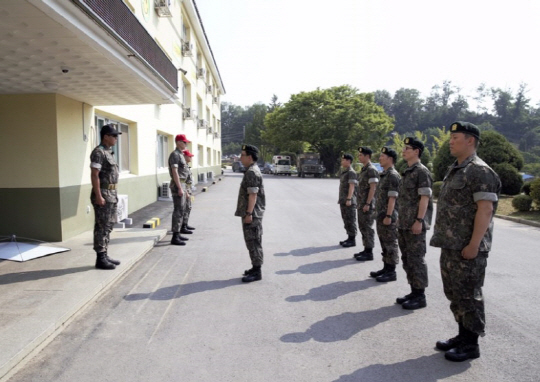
(519, 220)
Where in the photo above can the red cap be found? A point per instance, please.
(181, 137)
(186, 152)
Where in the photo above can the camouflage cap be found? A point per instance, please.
(465, 127)
(250, 149)
(414, 143)
(365, 150)
(390, 152)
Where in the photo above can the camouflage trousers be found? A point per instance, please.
(179, 209)
(253, 238)
(413, 253)
(187, 210)
(389, 243)
(365, 226)
(462, 283)
(105, 218)
(348, 214)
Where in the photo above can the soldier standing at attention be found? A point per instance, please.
(464, 230)
(387, 194)
(250, 207)
(186, 228)
(368, 178)
(415, 209)
(178, 169)
(104, 177)
(347, 199)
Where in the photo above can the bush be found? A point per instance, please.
(522, 203)
(511, 180)
(437, 188)
(526, 189)
(535, 191)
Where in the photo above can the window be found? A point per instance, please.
(121, 149)
(200, 156)
(162, 151)
(208, 157)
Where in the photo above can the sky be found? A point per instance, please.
(284, 47)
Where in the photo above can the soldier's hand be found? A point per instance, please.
(387, 221)
(469, 252)
(100, 201)
(366, 208)
(348, 203)
(248, 219)
(180, 192)
(416, 228)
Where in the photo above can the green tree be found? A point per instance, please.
(511, 180)
(331, 121)
(406, 108)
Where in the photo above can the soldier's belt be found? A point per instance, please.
(109, 187)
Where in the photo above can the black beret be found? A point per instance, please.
(109, 130)
(465, 127)
(414, 143)
(390, 152)
(250, 149)
(348, 157)
(365, 150)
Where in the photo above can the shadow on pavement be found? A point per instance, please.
(430, 368)
(177, 291)
(308, 251)
(343, 326)
(20, 277)
(319, 267)
(334, 290)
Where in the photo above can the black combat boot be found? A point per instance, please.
(247, 272)
(185, 230)
(365, 255)
(466, 349)
(183, 238)
(375, 274)
(176, 239)
(102, 262)
(255, 275)
(112, 261)
(407, 297)
(389, 275)
(417, 301)
(453, 342)
(350, 242)
(190, 227)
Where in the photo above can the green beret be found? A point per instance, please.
(465, 127)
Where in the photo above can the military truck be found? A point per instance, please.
(310, 164)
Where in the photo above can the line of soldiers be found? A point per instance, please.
(402, 206)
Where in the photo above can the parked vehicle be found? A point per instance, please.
(310, 164)
(282, 164)
(238, 167)
(267, 168)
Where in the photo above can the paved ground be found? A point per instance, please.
(182, 314)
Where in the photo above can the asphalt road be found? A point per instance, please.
(182, 313)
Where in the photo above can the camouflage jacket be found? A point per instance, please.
(388, 187)
(252, 183)
(177, 162)
(416, 181)
(366, 177)
(347, 177)
(464, 185)
(102, 159)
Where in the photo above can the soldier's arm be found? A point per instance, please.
(422, 208)
(173, 163)
(96, 186)
(482, 219)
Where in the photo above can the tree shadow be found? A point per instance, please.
(430, 368)
(319, 267)
(308, 251)
(334, 290)
(19, 277)
(181, 290)
(343, 326)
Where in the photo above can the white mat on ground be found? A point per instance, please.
(16, 251)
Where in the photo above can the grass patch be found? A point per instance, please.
(505, 208)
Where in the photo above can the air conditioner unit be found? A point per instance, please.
(201, 123)
(186, 112)
(165, 191)
(209, 130)
(216, 135)
(163, 8)
(215, 99)
(201, 72)
(209, 89)
(187, 49)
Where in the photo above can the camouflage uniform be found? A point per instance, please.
(177, 162)
(464, 185)
(388, 187)
(189, 184)
(366, 177)
(348, 214)
(252, 183)
(105, 216)
(416, 181)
